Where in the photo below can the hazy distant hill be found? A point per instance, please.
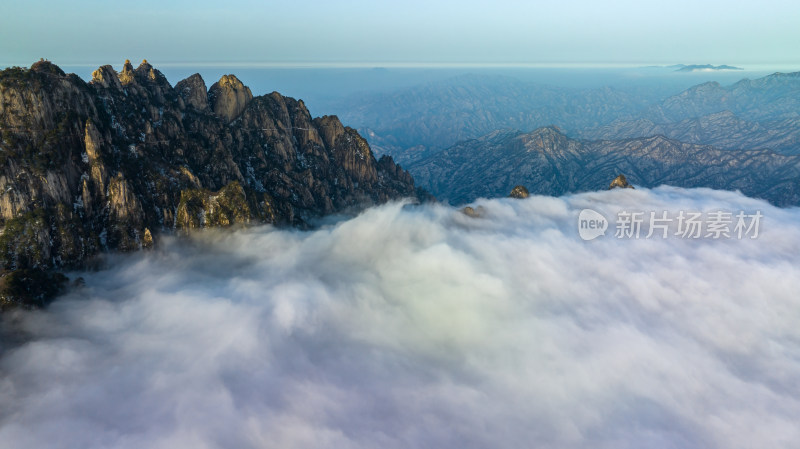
(416, 122)
(721, 129)
(548, 162)
(762, 113)
(434, 116)
(773, 97)
(696, 67)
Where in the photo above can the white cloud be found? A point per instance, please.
(422, 327)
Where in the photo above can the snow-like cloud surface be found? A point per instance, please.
(423, 327)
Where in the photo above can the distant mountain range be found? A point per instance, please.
(762, 113)
(418, 121)
(548, 162)
(721, 129)
(705, 67)
(415, 123)
(773, 97)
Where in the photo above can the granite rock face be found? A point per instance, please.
(228, 97)
(193, 92)
(109, 164)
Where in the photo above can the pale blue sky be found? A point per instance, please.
(414, 31)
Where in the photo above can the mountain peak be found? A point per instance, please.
(193, 92)
(545, 138)
(144, 66)
(706, 68)
(549, 129)
(708, 85)
(43, 65)
(228, 97)
(106, 76)
(126, 76)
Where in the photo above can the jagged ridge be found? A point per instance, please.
(92, 166)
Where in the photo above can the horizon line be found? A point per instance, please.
(411, 64)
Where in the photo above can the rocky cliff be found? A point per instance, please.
(110, 164)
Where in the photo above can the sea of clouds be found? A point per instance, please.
(422, 327)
